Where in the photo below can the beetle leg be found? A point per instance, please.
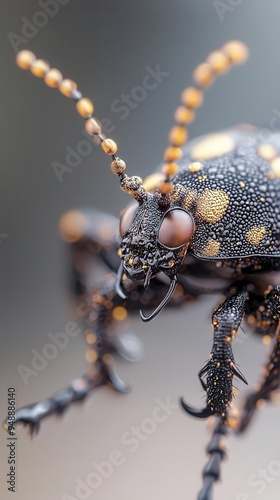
(91, 236)
(221, 366)
(201, 373)
(220, 371)
(32, 415)
(194, 412)
(104, 313)
(102, 310)
(268, 315)
(216, 449)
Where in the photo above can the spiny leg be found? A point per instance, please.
(219, 372)
(267, 318)
(101, 313)
(221, 367)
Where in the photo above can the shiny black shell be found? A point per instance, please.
(233, 195)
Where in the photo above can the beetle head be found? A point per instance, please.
(155, 236)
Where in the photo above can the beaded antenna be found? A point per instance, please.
(215, 208)
(156, 237)
(217, 63)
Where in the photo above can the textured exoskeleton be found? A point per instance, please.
(210, 222)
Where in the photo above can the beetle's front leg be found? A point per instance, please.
(219, 371)
(102, 312)
(221, 366)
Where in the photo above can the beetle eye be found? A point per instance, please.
(127, 217)
(176, 229)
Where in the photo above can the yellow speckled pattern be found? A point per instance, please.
(212, 248)
(255, 235)
(212, 205)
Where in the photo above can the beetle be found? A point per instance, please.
(212, 213)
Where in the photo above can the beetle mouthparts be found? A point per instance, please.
(148, 278)
(119, 288)
(171, 289)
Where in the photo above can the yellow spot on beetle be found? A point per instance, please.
(212, 146)
(255, 235)
(212, 248)
(267, 152)
(275, 168)
(242, 184)
(119, 313)
(212, 205)
(195, 166)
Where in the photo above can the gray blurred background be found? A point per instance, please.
(105, 46)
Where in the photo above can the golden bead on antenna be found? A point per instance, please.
(203, 74)
(218, 61)
(165, 187)
(53, 78)
(109, 146)
(93, 126)
(118, 166)
(170, 168)
(184, 115)
(178, 135)
(39, 68)
(236, 51)
(172, 153)
(67, 87)
(192, 97)
(25, 59)
(85, 107)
